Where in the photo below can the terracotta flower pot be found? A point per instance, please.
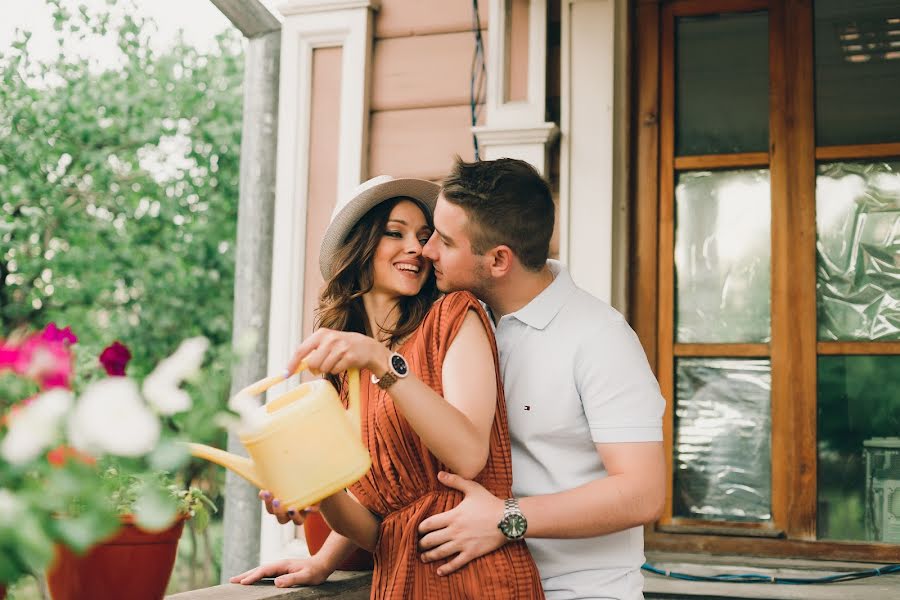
(316, 530)
(2, 592)
(133, 564)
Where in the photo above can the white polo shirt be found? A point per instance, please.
(575, 375)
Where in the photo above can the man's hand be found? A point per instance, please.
(469, 530)
(299, 571)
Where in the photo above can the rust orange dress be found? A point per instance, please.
(402, 486)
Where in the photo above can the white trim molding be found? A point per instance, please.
(302, 7)
(347, 25)
(526, 143)
(516, 129)
(593, 152)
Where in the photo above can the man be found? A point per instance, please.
(585, 412)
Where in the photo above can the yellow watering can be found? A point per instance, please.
(304, 447)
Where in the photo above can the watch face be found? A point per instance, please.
(513, 526)
(398, 363)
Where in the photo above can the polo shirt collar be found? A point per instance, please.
(540, 311)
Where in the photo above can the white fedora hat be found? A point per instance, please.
(367, 195)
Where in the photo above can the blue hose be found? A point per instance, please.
(761, 578)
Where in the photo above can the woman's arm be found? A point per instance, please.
(456, 428)
(347, 517)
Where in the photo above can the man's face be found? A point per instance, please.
(456, 267)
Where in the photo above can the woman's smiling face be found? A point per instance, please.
(400, 269)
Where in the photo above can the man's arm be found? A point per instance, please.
(632, 494)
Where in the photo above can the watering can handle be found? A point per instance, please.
(353, 408)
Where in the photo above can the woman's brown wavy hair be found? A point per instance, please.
(340, 304)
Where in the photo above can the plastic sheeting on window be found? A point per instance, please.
(723, 439)
(858, 251)
(722, 255)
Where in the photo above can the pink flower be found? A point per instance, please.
(47, 362)
(52, 333)
(114, 359)
(9, 355)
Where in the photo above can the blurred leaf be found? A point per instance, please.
(80, 533)
(155, 509)
(169, 456)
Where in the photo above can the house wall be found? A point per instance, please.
(370, 88)
(421, 69)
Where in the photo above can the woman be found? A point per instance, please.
(431, 399)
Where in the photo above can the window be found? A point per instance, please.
(767, 199)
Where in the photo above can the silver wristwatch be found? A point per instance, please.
(513, 524)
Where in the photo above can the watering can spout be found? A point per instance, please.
(239, 464)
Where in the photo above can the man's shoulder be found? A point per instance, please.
(589, 311)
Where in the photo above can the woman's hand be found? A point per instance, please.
(274, 507)
(301, 571)
(330, 351)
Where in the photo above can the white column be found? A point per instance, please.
(516, 129)
(593, 151)
(309, 25)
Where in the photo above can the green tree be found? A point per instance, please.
(118, 188)
(118, 192)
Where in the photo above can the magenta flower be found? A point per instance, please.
(52, 333)
(114, 359)
(9, 355)
(48, 362)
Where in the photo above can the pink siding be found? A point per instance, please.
(419, 142)
(422, 71)
(403, 18)
(517, 42)
(420, 87)
(323, 164)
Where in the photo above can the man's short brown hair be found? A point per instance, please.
(508, 203)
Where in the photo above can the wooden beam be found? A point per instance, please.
(666, 251)
(792, 155)
(858, 348)
(891, 150)
(686, 8)
(707, 527)
(756, 546)
(724, 350)
(722, 161)
(643, 294)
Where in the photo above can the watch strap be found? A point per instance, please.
(386, 381)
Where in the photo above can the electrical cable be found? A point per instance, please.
(761, 578)
(478, 76)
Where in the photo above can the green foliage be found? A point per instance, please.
(118, 215)
(155, 499)
(118, 191)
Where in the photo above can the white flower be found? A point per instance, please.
(253, 414)
(166, 398)
(35, 427)
(111, 418)
(162, 387)
(11, 508)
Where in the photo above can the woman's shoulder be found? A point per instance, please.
(444, 322)
(454, 304)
